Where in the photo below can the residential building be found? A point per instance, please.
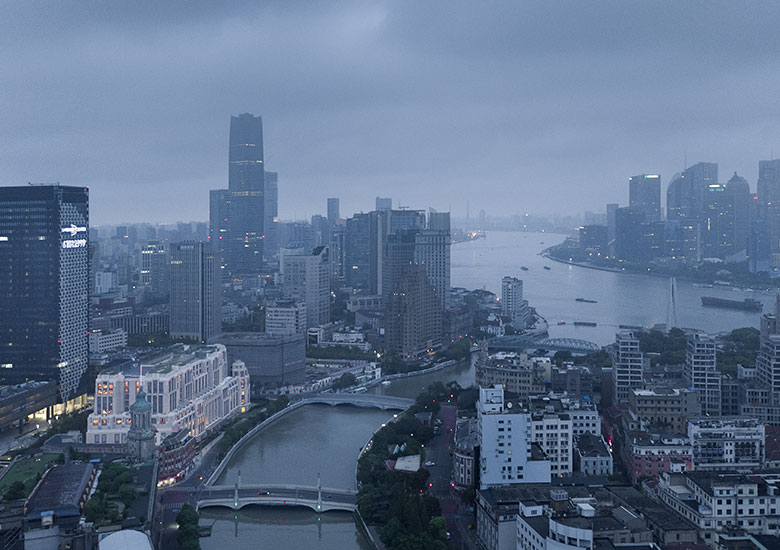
(627, 365)
(413, 315)
(701, 372)
(307, 279)
(648, 454)
(713, 501)
(196, 291)
(101, 341)
(186, 386)
(591, 455)
(512, 303)
(463, 455)
(720, 443)
(516, 373)
(507, 452)
(432, 249)
(44, 287)
(286, 318)
(664, 406)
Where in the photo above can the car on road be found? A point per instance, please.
(263, 492)
(430, 463)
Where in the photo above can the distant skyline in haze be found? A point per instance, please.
(515, 107)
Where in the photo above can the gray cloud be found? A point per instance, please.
(515, 106)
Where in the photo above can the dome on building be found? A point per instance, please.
(141, 404)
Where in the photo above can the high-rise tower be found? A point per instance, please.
(644, 195)
(246, 183)
(44, 286)
(196, 292)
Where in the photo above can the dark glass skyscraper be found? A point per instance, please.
(44, 286)
(246, 183)
(196, 291)
(644, 195)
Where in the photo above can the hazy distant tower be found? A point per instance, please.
(246, 182)
(644, 195)
(333, 210)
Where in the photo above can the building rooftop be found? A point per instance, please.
(590, 445)
(60, 491)
(466, 437)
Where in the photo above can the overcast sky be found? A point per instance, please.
(518, 107)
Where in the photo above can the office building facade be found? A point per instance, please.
(196, 291)
(644, 195)
(44, 286)
(307, 279)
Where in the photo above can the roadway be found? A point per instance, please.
(439, 451)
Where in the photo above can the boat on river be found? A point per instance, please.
(586, 301)
(523, 268)
(547, 267)
(585, 324)
(748, 304)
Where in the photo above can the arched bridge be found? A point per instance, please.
(569, 344)
(319, 499)
(368, 400)
(520, 343)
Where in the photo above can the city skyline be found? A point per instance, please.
(404, 100)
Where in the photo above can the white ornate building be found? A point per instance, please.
(186, 386)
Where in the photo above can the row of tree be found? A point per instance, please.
(407, 516)
(114, 484)
(189, 532)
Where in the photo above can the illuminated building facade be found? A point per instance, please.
(186, 386)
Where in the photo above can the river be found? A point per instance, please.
(325, 439)
(623, 298)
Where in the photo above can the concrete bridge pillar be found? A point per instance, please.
(235, 492)
(319, 493)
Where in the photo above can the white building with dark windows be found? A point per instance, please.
(285, 318)
(188, 387)
(701, 372)
(727, 442)
(715, 500)
(507, 452)
(307, 279)
(627, 365)
(512, 303)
